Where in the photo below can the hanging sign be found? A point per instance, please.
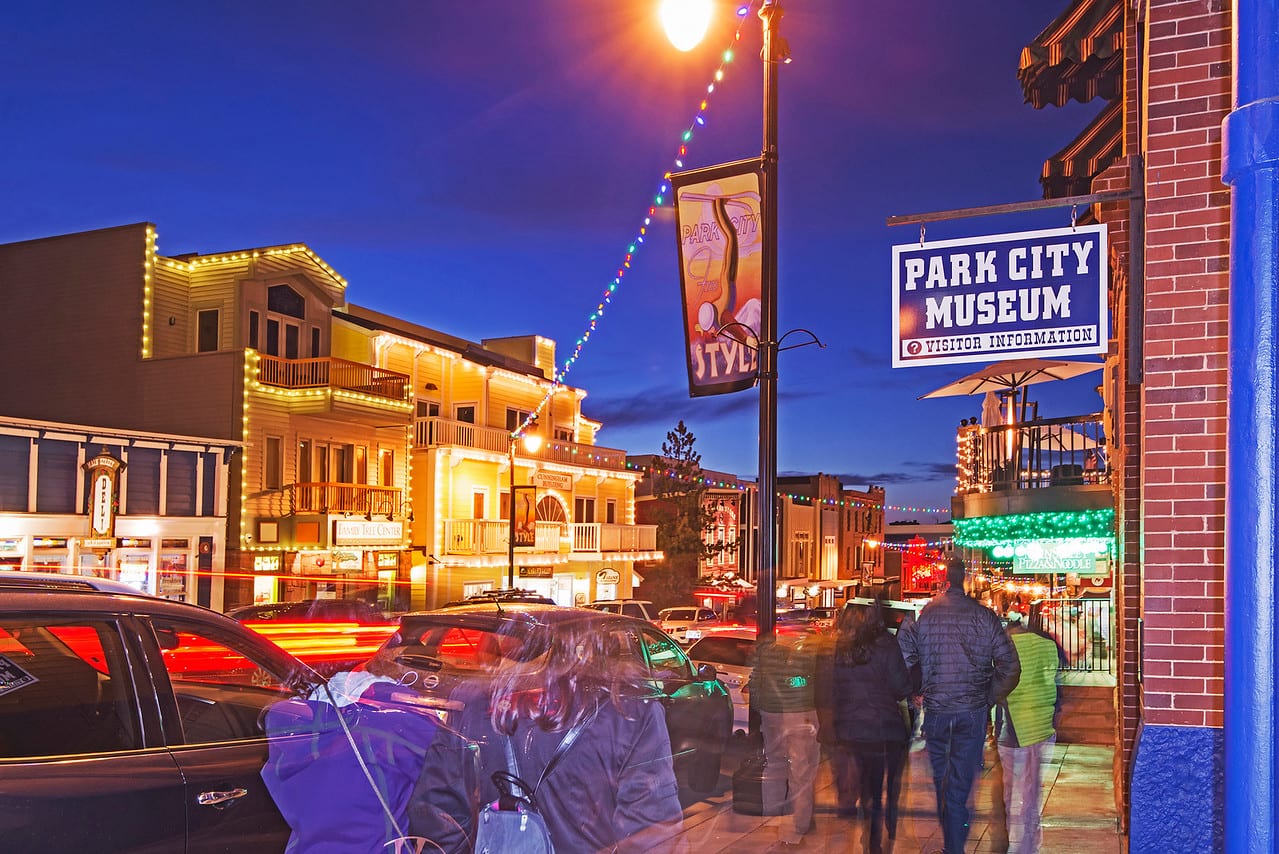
(104, 473)
(1002, 296)
(719, 229)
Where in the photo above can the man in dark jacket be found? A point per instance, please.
(968, 665)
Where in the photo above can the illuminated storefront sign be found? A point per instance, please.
(363, 531)
(104, 472)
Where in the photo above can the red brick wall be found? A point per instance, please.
(1184, 394)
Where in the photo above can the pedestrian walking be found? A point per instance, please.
(843, 765)
(781, 688)
(1027, 737)
(578, 725)
(871, 684)
(967, 664)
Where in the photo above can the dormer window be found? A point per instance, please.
(282, 299)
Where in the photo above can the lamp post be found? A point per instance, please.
(532, 442)
(775, 52)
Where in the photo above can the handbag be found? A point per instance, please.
(512, 823)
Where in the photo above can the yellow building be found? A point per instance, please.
(374, 455)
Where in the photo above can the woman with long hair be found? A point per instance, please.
(612, 787)
(870, 681)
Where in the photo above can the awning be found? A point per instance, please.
(1079, 55)
(1070, 171)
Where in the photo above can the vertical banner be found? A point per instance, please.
(525, 516)
(719, 228)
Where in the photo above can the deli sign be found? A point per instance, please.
(1002, 296)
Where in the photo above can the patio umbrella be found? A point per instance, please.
(1059, 437)
(1012, 375)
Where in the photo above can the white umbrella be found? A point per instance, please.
(1012, 374)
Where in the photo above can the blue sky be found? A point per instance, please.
(481, 168)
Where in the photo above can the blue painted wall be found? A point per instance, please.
(1178, 788)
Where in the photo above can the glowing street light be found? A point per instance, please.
(685, 21)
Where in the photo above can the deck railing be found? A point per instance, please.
(1032, 454)
(328, 372)
(489, 536)
(435, 431)
(355, 498)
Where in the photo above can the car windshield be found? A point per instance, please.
(471, 646)
(677, 614)
(720, 650)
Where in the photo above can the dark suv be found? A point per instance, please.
(131, 723)
(311, 611)
(452, 652)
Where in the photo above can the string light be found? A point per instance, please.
(984, 532)
(659, 199)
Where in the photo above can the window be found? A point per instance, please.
(479, 501)
(563, 434)
(550, 510)
(464, 412)
(142, 477)
(253, 329)
(282, 299)
(291, 333)
(428, 408)
(57, 472)
(610, 511)
(206, 335)
(361, 464)
(272, 336)
(584, 510)
(222, 688)
(273, 463)
(179, 499)
(315, 342)
(515, 418)
(209, 485)
(66, 688)
(665, 659)
(15, 472)
(304, 461)
(343, 460)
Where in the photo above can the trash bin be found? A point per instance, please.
(748, 786)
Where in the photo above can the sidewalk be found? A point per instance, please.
(1079, 813)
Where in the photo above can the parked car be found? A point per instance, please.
(133, 723)
(730, 651)
(448, 655)
(895, 612)
(686, 623)
(311, 611)
(641, 609)
(502, 597)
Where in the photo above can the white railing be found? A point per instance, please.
(430, 432)
(489, 536)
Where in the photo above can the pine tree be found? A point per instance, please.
(682, 521)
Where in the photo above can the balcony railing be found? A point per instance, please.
(489, 536)
(1032, 454)
(1081, 628)
(343, 498)
(432, 432)
(327, 372)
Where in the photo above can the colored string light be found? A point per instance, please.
(659, 199)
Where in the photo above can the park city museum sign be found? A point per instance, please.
(1002, 296)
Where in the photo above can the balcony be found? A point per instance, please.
(327, 372)
(437, 432)
(356, 498)
(1050, 463)
(489, 537)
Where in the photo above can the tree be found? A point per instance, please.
(682, 521)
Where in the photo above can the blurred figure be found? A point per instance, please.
(870, 685)
(968, 664)
(613, 789)
(843, 765)
(1027, 738)
(781, 687)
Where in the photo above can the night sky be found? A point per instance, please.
(480, 167)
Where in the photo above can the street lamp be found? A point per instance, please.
(531, 442)
(775, 52)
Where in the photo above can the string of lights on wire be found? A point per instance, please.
(637, 242)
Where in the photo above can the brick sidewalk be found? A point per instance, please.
(1079, 813)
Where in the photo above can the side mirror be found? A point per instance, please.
(707, 673)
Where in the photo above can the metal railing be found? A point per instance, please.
(1082, 629)
(328, 372)
(342, 498)
(1032, 454)
(435, 431)
(489, 536)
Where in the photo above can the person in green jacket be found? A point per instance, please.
(1027, 737)
(781, 689)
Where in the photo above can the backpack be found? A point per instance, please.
(512, 823)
